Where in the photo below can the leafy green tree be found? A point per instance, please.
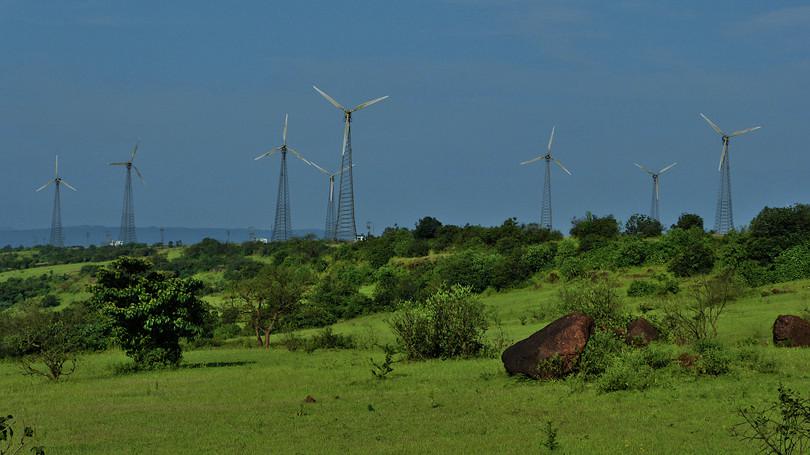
(150, 311)
(593, 231)
(427, 228)
(643, 226)
(270, 299)
(776, 229)
(693, 255)
(689, 220)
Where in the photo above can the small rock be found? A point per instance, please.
(641, 332)
(309, 399)
(791, 331)
(553, 351)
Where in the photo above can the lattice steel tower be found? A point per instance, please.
(57, 236)
(655, 212)
(127, 232)
(282, 226)
(724, 217)
(345, 224)
(545, 207)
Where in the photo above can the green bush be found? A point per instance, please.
(713, 358)
(641, 288)
(602, 347)
(328, 339)
(597, 298)
(539, 257)
(450, 323)
(626, 372)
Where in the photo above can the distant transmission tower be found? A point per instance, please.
(345, 224)
(724, 217)
(127, 233)
(282, 226)
(655, 209)
(57, 237)
(545, 207)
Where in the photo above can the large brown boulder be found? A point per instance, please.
(552, 352)
(640, 333)
(791, 331)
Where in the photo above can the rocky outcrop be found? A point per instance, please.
(553, 351)
(791, 331)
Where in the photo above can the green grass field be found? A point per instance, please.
(252, 401)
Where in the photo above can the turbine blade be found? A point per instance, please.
(345, 137)
(134, 151)
(551, 138)
(343, 170)
(723, 155)
(667, 168)
(44, 186)
(284, 134)
(56, 167)
(139, 173)
(299, 155)
(747, 130)
(532, 160)
(68, 185)
(315, 165)
(266, 154)
(119, 164)
(329, 98)
(714, 127)
(368, 103)
(644, 169)
(562, 167)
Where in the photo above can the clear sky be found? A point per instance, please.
(475, 87)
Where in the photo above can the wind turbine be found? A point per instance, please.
(282, 229)
(654, 208)
(57, 239)
(545, 209)
(330, 204)
(127, 232)
(724, 219)
(345, 226)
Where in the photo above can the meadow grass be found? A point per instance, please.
(247, 400)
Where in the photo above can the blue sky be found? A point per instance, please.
(475, 88)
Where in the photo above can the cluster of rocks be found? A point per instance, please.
(554, 351)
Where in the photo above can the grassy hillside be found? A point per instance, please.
(243, 400)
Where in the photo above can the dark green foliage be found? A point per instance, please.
(13, 441)
(593, 231)
(661, 284)
(641, 288)
(628, 371)
(782, 428)
(539, 257)
(49, 301)
(427, 228)
(550, 432)
(470, 268)
(396, 283)
(150, 311)
(382, 370)
(714, 359)
(693, 253)
(632, 252)
(337, 294)
(643, 226)
(15, 290)
(596, 297)
(450, 323)
(774, 230)
(696, 319)
(688, 221)
(602, 347)
(792, 264)
(46, 343)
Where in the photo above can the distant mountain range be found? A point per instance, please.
(102, 235)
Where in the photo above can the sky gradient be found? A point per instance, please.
(475, 87)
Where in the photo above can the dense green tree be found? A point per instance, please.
(693, 255)
(776, 229)
(593, 231)
(689, 220)
(427, 228)
(643, 226)
(150, 311)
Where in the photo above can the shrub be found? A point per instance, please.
(697, 320)
(597, 298)
(450, 323)
(643, 226)
(641, 288)
(781, 428)
(328, 339)
(694, 258)
(714, 358)
(572, 268)
(626, 372)
(688, 221)
(539, 257)
(602, 347)
(13, 442)
(47, 339)
(593, 231)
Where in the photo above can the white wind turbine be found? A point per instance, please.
(654, 206)
(57, 238)
(545, 209)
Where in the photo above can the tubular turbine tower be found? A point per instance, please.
(282, 226)
(57, 237)
(345, 225)
(545, 208)
(655, 212)
(724, 218)
(127, 233)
